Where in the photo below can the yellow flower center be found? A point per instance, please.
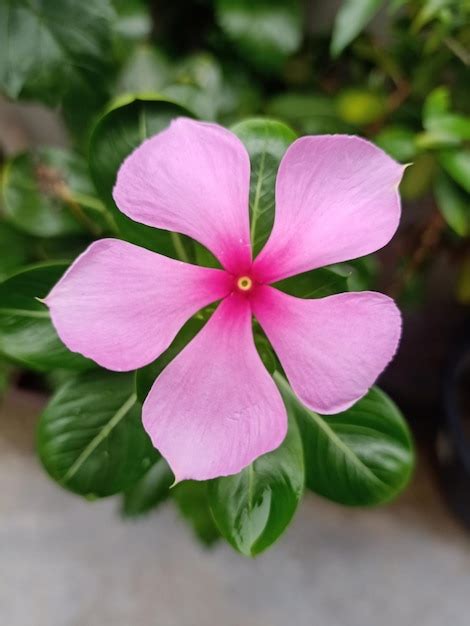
(244, 283)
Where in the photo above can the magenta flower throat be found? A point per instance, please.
(215, 408)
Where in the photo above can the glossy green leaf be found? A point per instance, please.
(54, 48)
(26, 332)
(457, 165)
(146, 376)
(454, 204)
(316, 283)
(116, 135)
(253, 508)
(90, 437)
(351, 19)
(266, 141)
(192, 500)
(149, 491)
(265, 32)
(362, 456)
(15, 250)
(48, 193)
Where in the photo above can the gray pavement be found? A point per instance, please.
(68, 562)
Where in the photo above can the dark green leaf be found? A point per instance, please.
(454, 204)
(253, 508)
(149, 491)
(266, 141)
(193, 503)
(15, 250)
(457, 164)
(48, 193)
(265, 31)
(53, 48)
(146, 376)
(316, 283)
(351, 19)
(90, 437)
(26, 332)
(116, 135)
(362, 456)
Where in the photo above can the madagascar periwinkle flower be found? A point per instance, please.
(215, 408)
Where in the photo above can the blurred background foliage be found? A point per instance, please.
(396, 72)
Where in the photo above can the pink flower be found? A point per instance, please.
(215, 408)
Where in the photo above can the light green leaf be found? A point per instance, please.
(265, 31)
(457, 165)
(26, 332)
(124, 127)
(146, 70)
(266, 141)
(90, 437)
(454, 204)
(362, 456)
(351, 19)
(253, 508)
(398, 141)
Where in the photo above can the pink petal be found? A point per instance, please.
(192, 178)
(122, 305)
(332, 349)
(336, 199)
(215, 408)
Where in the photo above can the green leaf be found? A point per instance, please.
(146, 70)
(15, 250)
(360, 106)
(54, 48)
(362, 456)
(265, 32)
(48, 193)
(266, 141)
(316, 283)
(253, 508)
(457, 165)
(436, 103)
(117, 134)
(399, 142)
(192, 501)
(146, 376)
(90, 436)
(149, 491)
(309, 113)
(454, 204)
(26, 332)
(351, 19)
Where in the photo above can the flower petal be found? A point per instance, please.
(332, 349)
(192, 178)
(336, 199)
(215, 408)
(122, 305)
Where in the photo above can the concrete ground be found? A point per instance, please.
(68, 562)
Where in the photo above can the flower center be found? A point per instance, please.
(244, 283)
